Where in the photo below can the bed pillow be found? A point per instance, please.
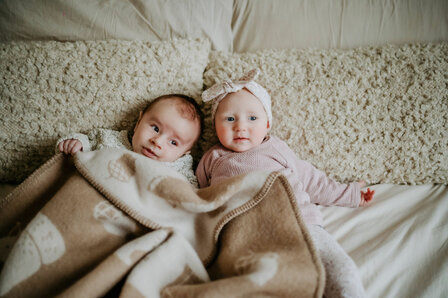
(50, 89)
(336, 24)
(373, 113)
(151, 20)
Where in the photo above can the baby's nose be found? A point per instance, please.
(156, 141)
(240, 125)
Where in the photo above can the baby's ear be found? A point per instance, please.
(138, 121)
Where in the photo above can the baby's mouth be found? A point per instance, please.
(240, 139)
(149, 153)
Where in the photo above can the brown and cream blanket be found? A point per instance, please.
(115, 223)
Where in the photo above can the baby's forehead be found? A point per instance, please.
(184, 108)
(241, 96)
(177, 110)
(187, 111)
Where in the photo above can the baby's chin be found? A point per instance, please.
(170, 159)
(241, 148)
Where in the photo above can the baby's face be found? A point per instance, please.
(163, 134)
(241, 122)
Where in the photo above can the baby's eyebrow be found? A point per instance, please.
(154, 119)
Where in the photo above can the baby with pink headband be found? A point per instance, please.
(242, 118)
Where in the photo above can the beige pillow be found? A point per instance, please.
(264, 24)
(50, 89)
(151, 20)
(373, 113)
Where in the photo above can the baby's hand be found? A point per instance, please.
(70, 146)
(366, 196)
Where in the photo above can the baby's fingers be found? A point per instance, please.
(368, 195)
(64, 146)
(75, 146)
(61, 146)
(70, 146)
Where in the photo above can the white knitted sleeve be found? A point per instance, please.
(100, 138)
(107, 138)
(184, 165)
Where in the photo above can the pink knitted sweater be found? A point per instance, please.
(310, 185)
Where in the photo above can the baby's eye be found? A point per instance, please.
(155, 127)
(230, 119)
(173, 142)
(253, 118)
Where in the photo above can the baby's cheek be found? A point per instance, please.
(222, 134)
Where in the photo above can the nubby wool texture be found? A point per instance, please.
(373, 113)
(50, 89)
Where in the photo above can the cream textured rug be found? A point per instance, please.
(51, 89)
(375, 113)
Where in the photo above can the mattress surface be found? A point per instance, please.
(399, 242)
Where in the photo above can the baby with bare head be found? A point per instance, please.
(166, 130)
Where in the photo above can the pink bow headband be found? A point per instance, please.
(218, 91)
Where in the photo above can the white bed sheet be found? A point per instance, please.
(399, 242)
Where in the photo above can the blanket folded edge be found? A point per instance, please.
(255, 201)
(314, 254)
(30, 179)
